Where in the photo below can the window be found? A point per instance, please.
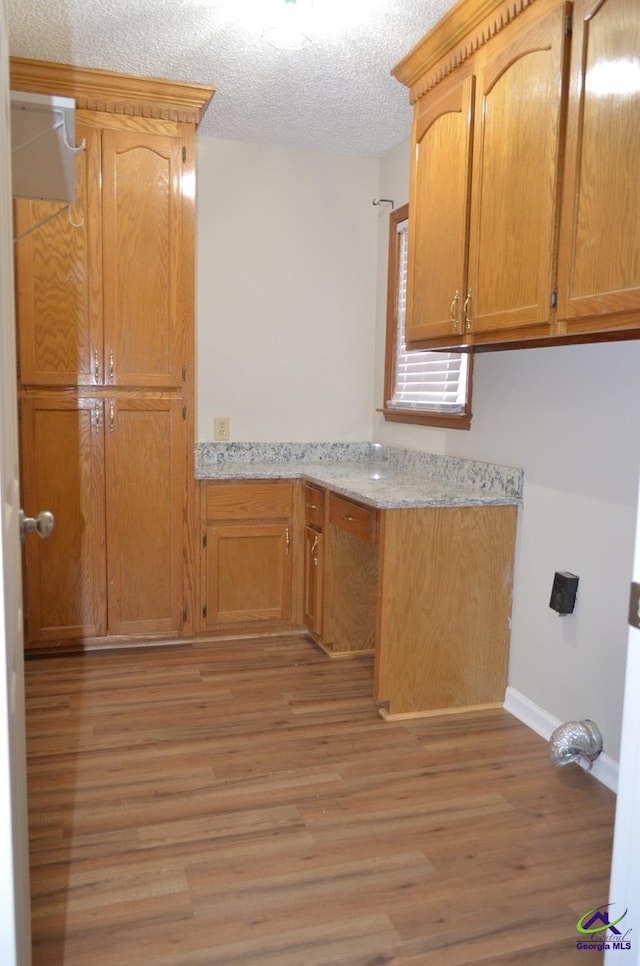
(421, 386)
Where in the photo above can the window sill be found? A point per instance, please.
(444, 420)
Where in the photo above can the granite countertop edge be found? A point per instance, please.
(379, 476)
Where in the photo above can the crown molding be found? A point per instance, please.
(457, 36)
(101, 90)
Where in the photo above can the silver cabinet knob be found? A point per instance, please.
(43, 524)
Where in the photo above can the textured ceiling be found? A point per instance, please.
(336, 94)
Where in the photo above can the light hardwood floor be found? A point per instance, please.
(242, 802)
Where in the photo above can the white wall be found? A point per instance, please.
(286, 292)
(566, 415)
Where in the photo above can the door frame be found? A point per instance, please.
(624, 890)
(15, 923)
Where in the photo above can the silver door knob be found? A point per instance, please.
(43, 524)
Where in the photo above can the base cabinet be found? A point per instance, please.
(427, 590)
(248, 554)
(444, 607)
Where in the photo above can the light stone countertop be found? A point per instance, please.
(380, 476)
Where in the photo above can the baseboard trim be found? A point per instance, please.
(604, 768)
(436, 713)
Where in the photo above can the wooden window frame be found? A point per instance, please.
(393, 414)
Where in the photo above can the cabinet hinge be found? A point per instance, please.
(553, 302)
(184, 412)
(184, 154)
(204, 540)
(19, 409)
(204, 610)
(569, 24)
(18, 368)
(184, 616)
(184, 373)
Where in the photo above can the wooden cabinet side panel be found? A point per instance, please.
(58, 280)
(146, 492)
(445, 606)
(599, 270)
(63, 471)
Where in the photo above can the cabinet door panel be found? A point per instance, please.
(248, 573)
(439, 212)
(58, 281)
(313, 574)
(63, 471)
(146, 487)
(599, 270)
(515, 184)
(143, 247)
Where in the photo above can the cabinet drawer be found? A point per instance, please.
(313, 506)
(249, 501)
(355, 519)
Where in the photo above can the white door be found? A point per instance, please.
(624, 892)
(15, 929)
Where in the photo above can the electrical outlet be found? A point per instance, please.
(221, 431)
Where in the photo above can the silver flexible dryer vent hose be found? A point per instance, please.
(574, 740)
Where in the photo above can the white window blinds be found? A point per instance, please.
(424, 380)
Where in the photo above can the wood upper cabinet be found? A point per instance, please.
(550, 251)
(516, 173)
(439, 210)
(59, 280)
(99, 290)
(485, 185)
(599, 266)
(143, 254)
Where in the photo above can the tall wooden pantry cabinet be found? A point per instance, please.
(105, 314)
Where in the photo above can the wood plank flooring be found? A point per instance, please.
(241, 802)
